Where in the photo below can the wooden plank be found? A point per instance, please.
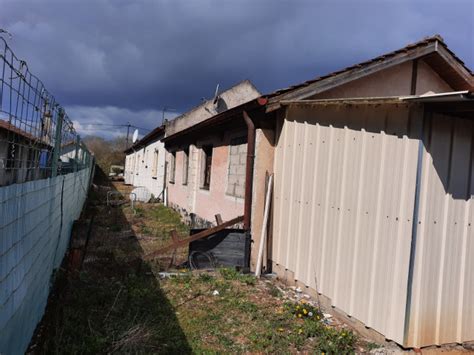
(196, 236)
(219, 220)
(460, 69)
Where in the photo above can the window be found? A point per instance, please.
(154, 167)
(172, 166)
(206, 167)
(11, 155)
(185, 165)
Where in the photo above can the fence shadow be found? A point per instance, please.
(115, 304)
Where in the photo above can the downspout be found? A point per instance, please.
(249, 170)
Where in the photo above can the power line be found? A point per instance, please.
(115, 125)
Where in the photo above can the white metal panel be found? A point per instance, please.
(36, 219)
(443, 288)
(344, 193)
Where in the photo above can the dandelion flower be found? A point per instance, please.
(305, 311)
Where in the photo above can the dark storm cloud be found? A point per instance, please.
(117, 59)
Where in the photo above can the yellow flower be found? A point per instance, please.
(299, 315)
(297, 307)
(305, 311)
(300, 331)
(280, 329)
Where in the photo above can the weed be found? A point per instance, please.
(206, 278)
(233, 274)
(274, 291)
(229, 273)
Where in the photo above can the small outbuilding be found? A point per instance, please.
(145, 163)
(373, 188)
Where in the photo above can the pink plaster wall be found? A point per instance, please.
(206, 203)
(213, 201)
(177, 192)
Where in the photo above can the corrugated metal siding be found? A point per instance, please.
(443, 285)
(35, 225)
(344, 193)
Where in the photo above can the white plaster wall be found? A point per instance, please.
(140, 173)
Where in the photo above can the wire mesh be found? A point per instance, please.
(37, 138)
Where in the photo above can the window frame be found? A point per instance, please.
(206, 166)
(154, 166)
(172, 177)
(185, 175)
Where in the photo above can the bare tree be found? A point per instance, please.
(107, 152)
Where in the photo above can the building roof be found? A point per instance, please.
(432, 49)
(227, 99)
(454, 103)
(150, 137)
(5, 125)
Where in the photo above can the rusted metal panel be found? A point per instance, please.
(442, 305)
(344, 191)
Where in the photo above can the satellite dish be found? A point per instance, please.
(135, 136)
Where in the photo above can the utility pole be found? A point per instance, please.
(128, 132)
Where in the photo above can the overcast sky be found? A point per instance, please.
(115, 61)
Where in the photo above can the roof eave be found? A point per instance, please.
(350, 75)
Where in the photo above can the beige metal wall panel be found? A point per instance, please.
(344, 195)
(442, 303)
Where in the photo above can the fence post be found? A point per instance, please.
(76, 156)
(57, 143)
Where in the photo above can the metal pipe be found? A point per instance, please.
(249, 170)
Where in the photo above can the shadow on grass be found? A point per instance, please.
(115, 304)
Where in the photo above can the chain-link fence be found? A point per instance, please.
(37, 138)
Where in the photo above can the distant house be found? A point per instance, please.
(23, 157)
(206, 171)
(145, 163)
(373, 198)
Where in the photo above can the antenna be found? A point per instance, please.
(216, 96)
(164, 110)
(135, 136)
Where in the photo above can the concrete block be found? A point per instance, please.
(240, 169)
(239, 191)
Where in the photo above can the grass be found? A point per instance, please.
(242, 316)
(118, 305)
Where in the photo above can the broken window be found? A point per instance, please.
(12, 152)
(154, 168)
(185, 165)
(172, 166)
(206, 167)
